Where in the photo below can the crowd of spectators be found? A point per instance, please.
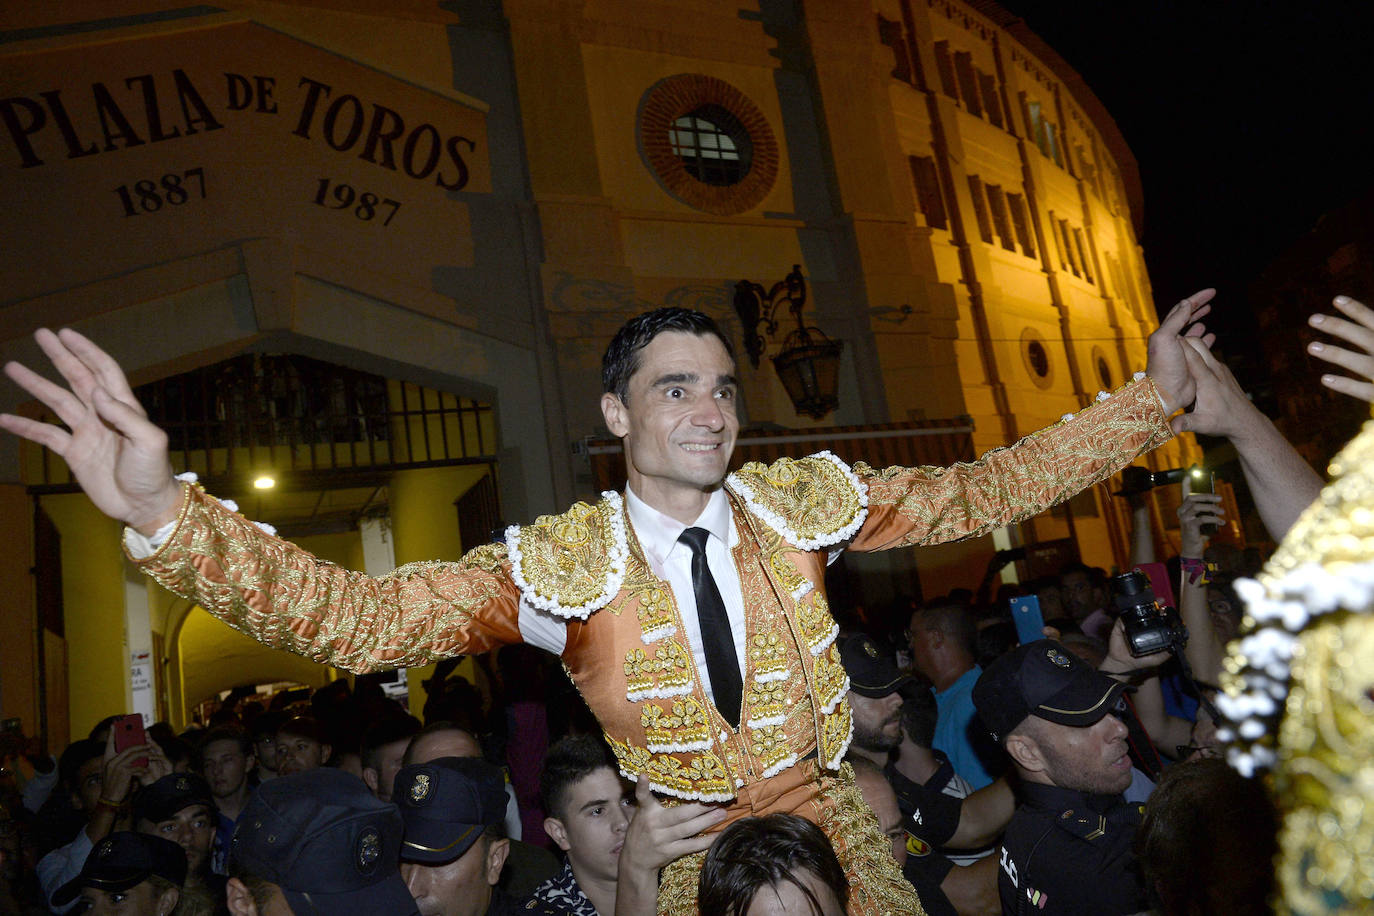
(339, 800)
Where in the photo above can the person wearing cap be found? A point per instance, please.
(1068, 846)
(103, 795)
(880, 696)
(127, 873)
(180, 807)
(694, 589)
(317, 844)
(455, 845)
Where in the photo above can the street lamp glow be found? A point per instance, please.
(265, 482)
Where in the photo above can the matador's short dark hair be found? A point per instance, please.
(622, 355)
(757, 852)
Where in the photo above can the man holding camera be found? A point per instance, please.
(1068, 846)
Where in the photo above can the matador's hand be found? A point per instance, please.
(1167, 364)
(114, 452)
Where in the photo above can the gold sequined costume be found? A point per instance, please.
(624, 647)
(1299, 692)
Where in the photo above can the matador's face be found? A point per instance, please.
(680, 422)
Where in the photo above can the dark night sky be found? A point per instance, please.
(1249, 121)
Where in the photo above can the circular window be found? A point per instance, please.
(709, 146)
(713, 145)
(1036, 358)
(1104, 371)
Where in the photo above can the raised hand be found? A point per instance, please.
(1167, 364)
(1220, 406)
(657, 836)
(114, 452)
(1196, 510)
(1359, 332)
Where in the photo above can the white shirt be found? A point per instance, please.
(671, 561)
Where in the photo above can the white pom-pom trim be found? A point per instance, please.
(781, 765)
(664, 632)
(615, 577)
(779, 524)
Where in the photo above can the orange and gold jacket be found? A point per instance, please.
(625, 650)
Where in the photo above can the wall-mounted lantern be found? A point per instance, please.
(809, 361)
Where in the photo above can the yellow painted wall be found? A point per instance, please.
(93, 597)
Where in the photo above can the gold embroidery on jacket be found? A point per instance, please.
(656, 614)
(767, 703)
(771, 747)
(563, 556)
(836, 730)
(810, 501)
(1010, 484)
(683, 728)
(768, 658)
(665, 673)
(818, 628)
(828, 679)
(704, 777)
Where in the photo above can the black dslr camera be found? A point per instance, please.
(1149, 627)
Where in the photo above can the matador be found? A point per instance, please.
(709, 661)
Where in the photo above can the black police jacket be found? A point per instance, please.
(1070, 852)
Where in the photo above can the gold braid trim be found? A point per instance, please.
(810, 502)
(1009, 484)
(285, 598)
(876, 885)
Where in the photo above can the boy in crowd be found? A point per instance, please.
(589, 808)
(226, 762)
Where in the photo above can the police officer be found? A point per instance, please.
(1068, 846)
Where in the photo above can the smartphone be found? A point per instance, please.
(1200, 480)
(1030, 624)
(128, 732)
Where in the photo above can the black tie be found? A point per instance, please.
(721, 662)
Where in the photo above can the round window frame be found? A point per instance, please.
(1100, 363)
(1030, 337)
(677, 96)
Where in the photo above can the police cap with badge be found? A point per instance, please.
(1046, 680)
(446, 804)
(327, 842)
(123, 860)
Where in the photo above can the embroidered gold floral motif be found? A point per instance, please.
(828, 679)
(667, 672)
(770, 747)
(705, 778)
(812, 502)
(767, 703)
(790, 577)
(681, 729)
(817, 627)
(768, 658)
(574, 563)
(836, 730)
(656, 618)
